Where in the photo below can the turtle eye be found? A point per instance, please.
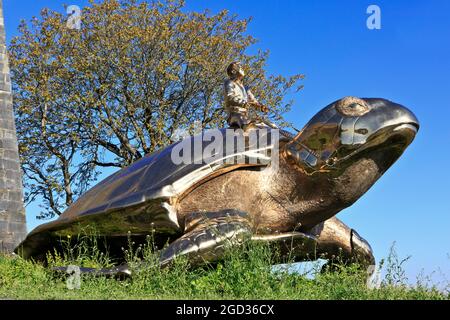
(352, 106)
(363, 131)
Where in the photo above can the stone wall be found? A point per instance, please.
(12, 212)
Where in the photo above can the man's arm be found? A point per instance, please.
(251, 97)
(255, 103)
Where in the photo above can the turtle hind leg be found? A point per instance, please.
(339, 243)
(207, 236)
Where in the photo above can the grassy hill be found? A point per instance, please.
(244, 274)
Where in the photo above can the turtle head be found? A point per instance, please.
(353, 142)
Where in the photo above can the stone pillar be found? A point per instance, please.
(12, 212)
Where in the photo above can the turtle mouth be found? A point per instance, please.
(408, 126)
(386, 146)
(400, 135)
(355, 174)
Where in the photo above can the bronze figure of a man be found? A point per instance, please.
(238, 98)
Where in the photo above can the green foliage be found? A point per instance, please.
(395, 274)
(245, 273)
(83, 252)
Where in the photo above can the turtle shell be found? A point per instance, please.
(140, 198)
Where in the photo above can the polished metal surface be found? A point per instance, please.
(201, 206)
(139, 198)
(238, 98)
(332, 137)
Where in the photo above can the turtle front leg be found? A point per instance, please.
(335, 240)
(206, 236)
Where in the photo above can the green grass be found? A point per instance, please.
(245, 273)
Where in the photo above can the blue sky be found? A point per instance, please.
(406, 61)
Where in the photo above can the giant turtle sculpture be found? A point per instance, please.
(199, 206)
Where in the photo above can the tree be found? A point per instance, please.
(118, 88)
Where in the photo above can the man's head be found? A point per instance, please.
(235, 70)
